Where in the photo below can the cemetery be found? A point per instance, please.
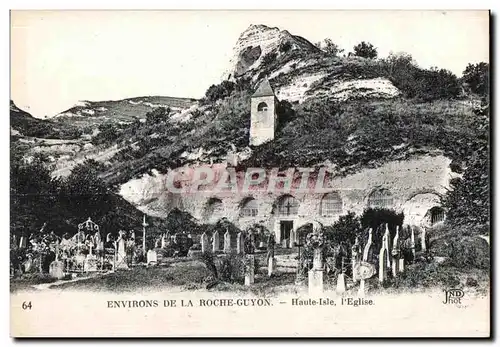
(321, 260)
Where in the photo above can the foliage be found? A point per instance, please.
(345, 229)
(158, 115)
(330, 48)
(468, 200)
(365, 50)
(421, 84)
(373, 217)
(477, 78)
(219, 91)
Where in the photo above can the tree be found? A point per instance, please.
(219, 91)
(365, 50)
(468, 200)
(329, 47)
(477, 78)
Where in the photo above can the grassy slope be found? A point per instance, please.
(126, 110)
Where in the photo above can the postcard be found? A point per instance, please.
(250, 173)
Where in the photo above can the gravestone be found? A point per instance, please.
(227, 242)
(90, 264)
(164, 241)
(316, 273)
(423, 244)
(121, 255)
(355, 258)
(249, 269)
(56, 269)
(396, 253)
(239, 243)
(151, 257)
(401, 265)
(204, 243)
(366, 251)
(382, 265)
(340, 283)
(215, 242)
(271, 265)
(412, 244)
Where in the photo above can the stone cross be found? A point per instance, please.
(215, 242)
(227, 242)
(204, 243)
(239, 243)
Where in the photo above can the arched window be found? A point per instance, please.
(381, 198)
(249, 208)
(437, 215)
(288, 206)
(262, 107)
(331, 205)
(214, 209)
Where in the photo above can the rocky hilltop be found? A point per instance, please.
(299, 70)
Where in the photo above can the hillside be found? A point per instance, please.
(87, 114)
(350, 112)
(299, 70)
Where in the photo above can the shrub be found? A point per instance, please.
(365, 50)
(345, 229)
(285, 47)
(477, 78)
(219, 91)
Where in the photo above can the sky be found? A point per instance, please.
(61, 57)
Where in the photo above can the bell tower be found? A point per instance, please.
(263, 119)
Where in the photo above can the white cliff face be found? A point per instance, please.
(258, 41)
(305, 72)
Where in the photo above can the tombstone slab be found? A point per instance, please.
(204, 243)
(401, 264)
(239, 243)
(215, 242)
(341, 284)
(227, 242)
(121, 255)
(151, 257)
(271, 266)
(90, 264)
(250, 269)
(56, 270)
(315, 282)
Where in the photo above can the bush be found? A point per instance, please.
(365, 50)
(219, 91)
(477, 78)
(345, 229)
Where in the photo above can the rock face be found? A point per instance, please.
(298, 70)
(258, 41)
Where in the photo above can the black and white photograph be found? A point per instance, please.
(289, 173)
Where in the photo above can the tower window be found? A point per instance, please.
(262, 107)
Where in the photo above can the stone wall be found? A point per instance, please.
(415, 186)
